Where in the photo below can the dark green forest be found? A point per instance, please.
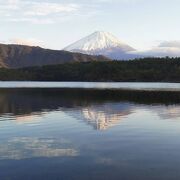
(138, 70)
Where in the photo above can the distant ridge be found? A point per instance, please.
(19, 56)
(102, 43)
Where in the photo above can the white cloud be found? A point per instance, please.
(159, 52)
(33, 20)
(118, 1)
(28, 41)
(35, 11)
(44, 9)
(165, 48)
(13, 1)
(173, 44)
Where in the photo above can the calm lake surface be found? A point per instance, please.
(55, 134)
(93, 85)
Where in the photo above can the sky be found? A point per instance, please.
(143, 24)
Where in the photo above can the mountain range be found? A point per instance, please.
(98, 46)
(19, 56)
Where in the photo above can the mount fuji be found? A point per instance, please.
(103, 43)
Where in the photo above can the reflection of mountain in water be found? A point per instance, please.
(105, 116)
(101, 116)
(169, 112)
(25, 106)
(25, 119)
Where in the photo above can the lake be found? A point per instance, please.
(78, 134)
(93, 85)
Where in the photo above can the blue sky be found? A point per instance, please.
(57, 23)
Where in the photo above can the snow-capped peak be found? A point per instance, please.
(99, 40)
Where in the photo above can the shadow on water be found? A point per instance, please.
(27, 101)
(99, 108)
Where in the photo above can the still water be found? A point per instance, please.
(54, 134)
(93, 85)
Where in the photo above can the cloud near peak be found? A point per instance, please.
(165, 48)
(29, 41)
(173, 44)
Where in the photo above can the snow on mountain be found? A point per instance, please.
(102, 43)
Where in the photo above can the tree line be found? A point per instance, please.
(138, 70)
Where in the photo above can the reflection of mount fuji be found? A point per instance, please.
(102, 120)
(104, 116)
